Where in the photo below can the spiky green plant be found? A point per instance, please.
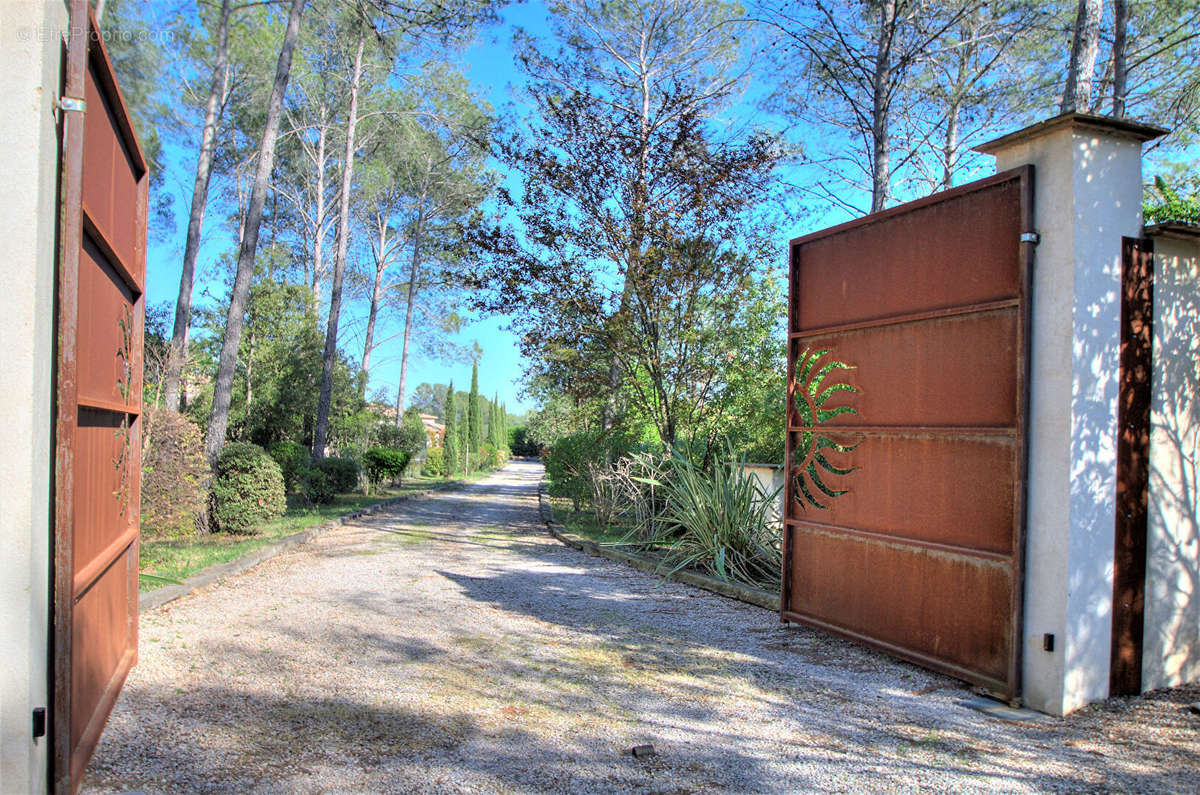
(717, 520)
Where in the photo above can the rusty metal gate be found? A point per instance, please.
(102, 237)
(906, 443)
(1133, 466)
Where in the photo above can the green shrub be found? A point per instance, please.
(572, 460)
(522, 444)
(293, 462)
(317, 487)
(491, 457)
(386, 435)
(1165, 204)
(173, 474)
(487, 456)
(566, 468)
(412, 437)
(342, 472)
(247, 489)
(385, 463)
(435, 462)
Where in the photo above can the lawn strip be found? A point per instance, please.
(181, 558)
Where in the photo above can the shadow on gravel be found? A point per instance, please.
(543, 666)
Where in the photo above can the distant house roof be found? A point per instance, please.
(434, 429)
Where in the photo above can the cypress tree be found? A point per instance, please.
(504, 425)
(450, 443)
(474, 416)
(494, 423)
(461, 441)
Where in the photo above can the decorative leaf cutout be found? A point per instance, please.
(812, 468)
(828, 467)
(123, 433)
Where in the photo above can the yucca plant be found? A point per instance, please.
(716, 520)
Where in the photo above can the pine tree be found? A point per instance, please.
(474, 415)
(218, 419)
(450, 441)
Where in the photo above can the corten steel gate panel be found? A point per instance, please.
(100, 312)
(907, 398)
(1133, 466)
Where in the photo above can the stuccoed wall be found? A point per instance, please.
(30, 53)
(1088, 188)
(770, 478)
(1171, 652)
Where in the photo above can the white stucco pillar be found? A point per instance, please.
(1087, 196)
(30, 54)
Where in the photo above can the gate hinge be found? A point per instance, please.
(39, 722)
(1031, 237)
(72, 103)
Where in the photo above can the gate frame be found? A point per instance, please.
(1026, 250)
(1130, 565)
(67, 765)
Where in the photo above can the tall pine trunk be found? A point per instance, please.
(218, 420)
(376, 297)
(319, 227)
(1120, 63)
(880, 105)
(1085, 46)
(177, 355)
(410, 306)
(321, 430)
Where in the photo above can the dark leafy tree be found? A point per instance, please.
(634, 202)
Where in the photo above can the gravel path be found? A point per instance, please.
(452, 646)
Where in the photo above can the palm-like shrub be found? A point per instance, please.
(717, 520)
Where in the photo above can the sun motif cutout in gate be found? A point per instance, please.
(811, 467)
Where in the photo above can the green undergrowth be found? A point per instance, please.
(584, 524)
(180, 558)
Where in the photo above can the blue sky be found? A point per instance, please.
(489, 66)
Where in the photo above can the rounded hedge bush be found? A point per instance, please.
(385, 463)
(292, 458)
(317, 487)
(247, 489)
(342, 472)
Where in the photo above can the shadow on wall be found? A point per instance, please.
(1095, 388)
(1172, 639)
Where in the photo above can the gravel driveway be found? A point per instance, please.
(452, 646)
